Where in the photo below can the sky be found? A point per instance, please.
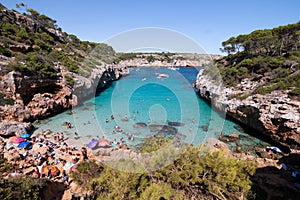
(207, 23)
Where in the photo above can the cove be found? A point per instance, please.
(146, 103)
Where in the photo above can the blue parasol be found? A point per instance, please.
(92, 143)
(25, 135)
(24, 144)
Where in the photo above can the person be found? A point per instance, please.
(76, 136)
(56, 137)
(37, 173)
(61, 137)
(130, 137)
(84, 154)
(114, 143)
(112, 117)
(126, 118)
(106, 120)
(65, 178)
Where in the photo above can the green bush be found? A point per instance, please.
(4, 51)
(69, 80)
(22, 188)
(60, 56)
(197, 173)
(264, 89)
(295, 94)
(85, 172)
(4, 166)
(9, 101)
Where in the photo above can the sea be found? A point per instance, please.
(145, 103)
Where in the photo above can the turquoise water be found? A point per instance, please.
(144, 97)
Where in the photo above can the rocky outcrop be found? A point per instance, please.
(274, 115)
(39, 97)
(9, 128)
(100, 77)
(34, 96)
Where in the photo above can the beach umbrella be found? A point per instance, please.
(24, 144)
(25, 135)
(93, 143)
(103, 143)
(19, 140)
(13, 138)
(50, 169)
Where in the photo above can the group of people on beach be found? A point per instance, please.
(49, 157)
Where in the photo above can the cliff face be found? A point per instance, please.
(274, 115)
(87, 87)
(36, 97)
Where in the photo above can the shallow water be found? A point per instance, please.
(145, 97)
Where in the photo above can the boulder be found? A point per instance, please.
(11, 128)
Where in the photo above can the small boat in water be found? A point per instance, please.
(161, 76)
(173, 68)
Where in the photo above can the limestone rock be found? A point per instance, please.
(11, 128)
(275, 115)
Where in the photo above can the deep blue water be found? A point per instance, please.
(144, 97)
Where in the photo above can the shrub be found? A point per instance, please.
(85, 172)
(295, 93)
(264, 89)
(197, 173)
(69, 80)
(4, 51)
(22, 188)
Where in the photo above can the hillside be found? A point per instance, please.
(270, 56)
(41, 66)
(258, 83)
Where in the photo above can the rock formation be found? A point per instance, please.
(274, 115)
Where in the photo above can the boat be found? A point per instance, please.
(173, 68)
(161, 76)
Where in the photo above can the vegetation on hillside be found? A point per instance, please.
(163, 56)
(271, 56)
(19, 187)
(196, 174)
(37, 45)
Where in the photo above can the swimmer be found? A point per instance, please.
(76, 136)
(106, 120)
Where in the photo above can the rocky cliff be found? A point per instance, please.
(36, 97)
(44, 71)
(274, 115)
